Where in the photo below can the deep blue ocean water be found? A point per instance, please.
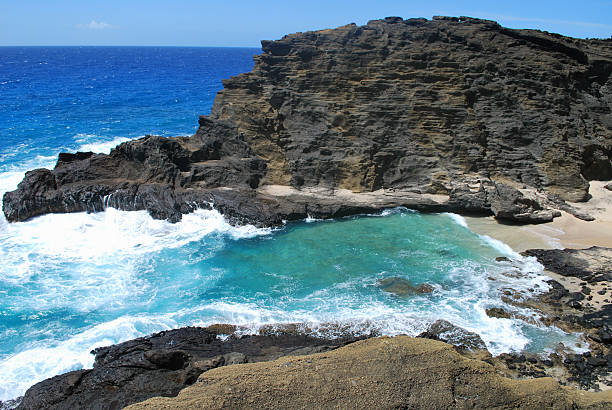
(70, 283)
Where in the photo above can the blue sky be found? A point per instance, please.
(245, 23)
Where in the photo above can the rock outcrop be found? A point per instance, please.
(493, 120)
(580, 299)
(162, 364)
(399, 372)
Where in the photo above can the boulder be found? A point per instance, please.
(459, 337)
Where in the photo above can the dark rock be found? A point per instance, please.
(497, 312)
(575, 305)
(461, 338)
(160, 365)
(502, 259)
(591, 265)
(605, 334)
(403, 287)
(459, 107)
(236, 358)
(597, 361)
(10, 404)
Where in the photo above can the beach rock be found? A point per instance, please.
(510, 204)
(161, 365)
(459, 337)
(590, 265)
(451, 114)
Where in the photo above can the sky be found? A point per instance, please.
(241, 23)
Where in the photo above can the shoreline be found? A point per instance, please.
(564, 232)
(512, 365)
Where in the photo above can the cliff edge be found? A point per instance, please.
(456, 114)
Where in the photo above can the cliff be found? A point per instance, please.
(456, 114)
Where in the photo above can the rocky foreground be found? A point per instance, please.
(400, 372)
(447, 366)
(449, 114)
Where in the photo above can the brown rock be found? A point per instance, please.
(400, 372)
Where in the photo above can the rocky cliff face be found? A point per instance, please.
(458, 107)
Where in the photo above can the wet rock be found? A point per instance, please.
(461, 338)
(161, 365)
(10, 404)
(222, 328)
(591, 265)
(403, 287)
(425, 288)
(498, 312)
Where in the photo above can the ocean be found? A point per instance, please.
(73, 282)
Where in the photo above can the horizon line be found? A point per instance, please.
(122, 45)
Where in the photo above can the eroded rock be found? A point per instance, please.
(502, 121)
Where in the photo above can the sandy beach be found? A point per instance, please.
(566, 231)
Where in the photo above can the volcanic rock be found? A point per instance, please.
(459, 337)
(161, 364)
(591, 265)
(399, 372)
(488, 119)
(403, 287)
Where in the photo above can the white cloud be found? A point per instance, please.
(95, 25)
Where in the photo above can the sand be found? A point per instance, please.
(566, 231)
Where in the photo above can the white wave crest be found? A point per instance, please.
(104, 236)
(40, 361)
(90, 142)
(458, 219)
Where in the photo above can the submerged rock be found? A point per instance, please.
(403, 287)
(451, 114)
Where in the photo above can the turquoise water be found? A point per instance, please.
(70, 283)
(75, 282)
